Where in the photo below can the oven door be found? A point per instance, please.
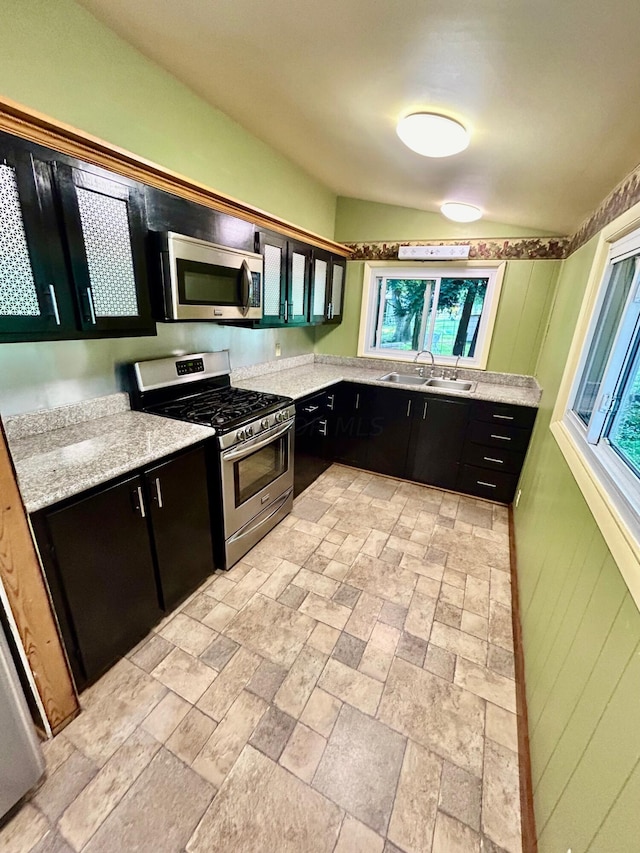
(255, 474)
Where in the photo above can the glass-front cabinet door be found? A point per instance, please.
(336, 290)
(104, 230)
(320, 266)
(32, 301)
(297, 305)
(273, 249)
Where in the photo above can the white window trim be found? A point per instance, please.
(616, 521)
(493, 270)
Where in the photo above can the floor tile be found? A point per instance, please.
(501, 798)
(321, 712)
(288, 544)
(303, 752)
(222, 693)
(391, 583)
(500, 626)
(24, 830)
(220, 616)
(188, 634)
(476, 596)
(335, 615)
(351, 686)
(220, 587)
(411, 649)
(440, 662)
(270, 629)
(191, 735)
(473, 624)
(451, 836)
(459, 643)
(348, 650)
(159, 812)
(293, 596)
(355, 837)
(313, 582)
(52, 842)
(260, 793)
(346, 595)
(220, 752)
(266, 680)
(323, 638)
(448, 614)
(199, 607)
(364, 616)
(394, 614)
(153, 651)
(298, 685)
(279, 579)
(502, 727)
(501, 661)
(272, 732)
(419, 619)
(375, 662)
(166, 716)
(360, 767)
(487, 684)
(414, 811)
(461, 794)
(89, 810)
(219, 653)
(439, 716)
(185, 675)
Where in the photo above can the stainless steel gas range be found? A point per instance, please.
(251, 457)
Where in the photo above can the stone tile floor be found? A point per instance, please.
(347, 687)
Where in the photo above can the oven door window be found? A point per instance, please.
(208, 284)
(257, 471)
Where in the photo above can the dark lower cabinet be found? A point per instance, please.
(311, 446)
(117, 559)
(438, 429)
(179, 509)
(350, 424)
(105, 576)
(388, 442)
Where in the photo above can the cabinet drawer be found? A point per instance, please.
(495, 485)
(503, 414)
(494, 458)
(495, 435)
(310, 409)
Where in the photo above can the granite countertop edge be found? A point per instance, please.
(298, 382)
(54, 466)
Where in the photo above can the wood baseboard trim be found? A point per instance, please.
(529, 836)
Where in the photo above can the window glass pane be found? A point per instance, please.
(617, 291)
(460, 304)
(402, 314)
(624, 432)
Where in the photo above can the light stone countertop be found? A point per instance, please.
(299, 381)
(63, 462)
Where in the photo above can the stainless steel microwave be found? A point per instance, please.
(204, 281)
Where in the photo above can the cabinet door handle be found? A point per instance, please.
(286, 311)
(92, 308)
(311, 409)
(54, 304)
(323, 427)
(331, 401)
(408, 407)
(424, 410)
(141, 509)
(491, 459)
(357, 401)
(504, 417)
(489, 485)
(501, 437)
(158, 493)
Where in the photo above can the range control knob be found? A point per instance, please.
(249, 430)
(264, 423)
(278, 416)
(286, 415)
(240, 434)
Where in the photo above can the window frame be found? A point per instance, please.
(429, 270)
(610, 489)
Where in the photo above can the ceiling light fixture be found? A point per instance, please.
(460, 212)
(432, 135)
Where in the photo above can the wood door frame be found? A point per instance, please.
(28, 597)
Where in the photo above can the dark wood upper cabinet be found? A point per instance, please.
(335, 292)
(104, 231)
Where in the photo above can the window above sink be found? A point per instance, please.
(447, 310)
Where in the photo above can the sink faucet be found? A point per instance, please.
(433, 363)
(454, 375)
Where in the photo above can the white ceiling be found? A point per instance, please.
(550, 90)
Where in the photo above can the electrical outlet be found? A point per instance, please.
(278, 350)
(518, 496)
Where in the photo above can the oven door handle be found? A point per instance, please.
(275, 507)
(247, 281)
(248, 447)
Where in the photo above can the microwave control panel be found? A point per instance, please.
(254, 296)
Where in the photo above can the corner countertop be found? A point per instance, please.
(61, 462)
(298, 377)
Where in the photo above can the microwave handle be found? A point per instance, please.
(247, 281)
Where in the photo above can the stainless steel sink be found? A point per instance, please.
(403, 379)
(451, 384)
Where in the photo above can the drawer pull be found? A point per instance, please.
(311, 409)
(491, 459)
(501, 437)
(504, 417)
(489, 485)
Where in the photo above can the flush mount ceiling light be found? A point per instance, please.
(432, 135)
(460, 212)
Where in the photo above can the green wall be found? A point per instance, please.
(525, 301)
(358, 221)
(57, 58)
(581, 631)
